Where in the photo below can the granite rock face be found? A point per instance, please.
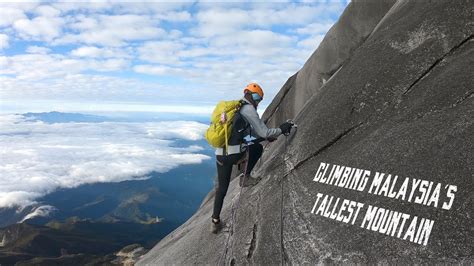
(354, 26)
(397, 99)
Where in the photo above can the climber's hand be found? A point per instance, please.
(286, 128)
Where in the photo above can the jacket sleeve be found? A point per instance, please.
(251, 115)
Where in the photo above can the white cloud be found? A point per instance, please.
(164, 52)
(254, 43)
(40, 66)
(216, 22)
(174, 16)
(96, 52)
(47, 11)
(299, 14)
(311, 42)
(161, 70)
(122, 109)
(4, 41)
(315, 28)
(158, 8)
(39, 28)
(58, 84)
(41, 211)
(37, 50)
(191, 130)
(24, 6)
(83, 22)
(38, 158)
(8, 15)
(85, 6)
(109, 65)
(113, 30)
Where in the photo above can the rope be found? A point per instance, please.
(224, 255)
(281, 205)
(285, 157)
(264, 148)
(226, 139)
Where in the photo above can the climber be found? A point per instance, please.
(246, 123)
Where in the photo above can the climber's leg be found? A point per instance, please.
(224, 170)
(255, 152)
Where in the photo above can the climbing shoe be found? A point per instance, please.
(248, 180)
(216, 226)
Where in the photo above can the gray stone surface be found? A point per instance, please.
(401, 103)
(342, 40)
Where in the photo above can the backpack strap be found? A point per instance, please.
(226, 140)
(242, 103)
(226, 134)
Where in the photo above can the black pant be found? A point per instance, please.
(224, 172)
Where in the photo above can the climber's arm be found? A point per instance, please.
(251, 115)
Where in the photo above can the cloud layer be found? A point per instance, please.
(155, 52)
(37, 158)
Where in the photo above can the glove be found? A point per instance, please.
(285, 128)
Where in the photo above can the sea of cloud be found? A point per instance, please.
(37, 158)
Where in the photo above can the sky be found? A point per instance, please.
(135, 57)
(152, 56)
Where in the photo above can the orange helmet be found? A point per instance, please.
(254, 87)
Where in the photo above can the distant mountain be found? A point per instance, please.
(123, 213)
(58, 117)
(74, 242)
(173, 195)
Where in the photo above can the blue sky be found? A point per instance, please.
(152, 56)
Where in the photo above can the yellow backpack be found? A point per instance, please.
(217, 135)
